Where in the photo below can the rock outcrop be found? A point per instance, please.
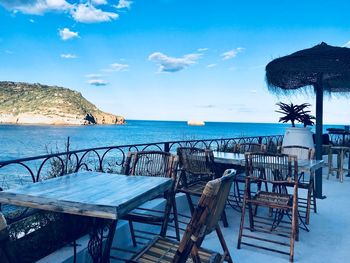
(23, 103)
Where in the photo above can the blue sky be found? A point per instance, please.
(169, 59)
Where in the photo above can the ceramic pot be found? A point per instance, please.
(301, 136)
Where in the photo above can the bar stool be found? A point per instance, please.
(341, 152)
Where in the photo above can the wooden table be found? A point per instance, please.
(238, 159)
(229, 158)
(341, 132)
(94, 194)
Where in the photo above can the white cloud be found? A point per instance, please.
(9, 52)
(347, 44)
(202, 49)
(124, 4)
(94, 76)
(211, 65)
(81, 11)
(36, 7)
(119, 67)
(66, 34)
(116, 67)
(97, 82)
(68, 56)
(31, 20)
(171, 64)
(231, 53)
(99, 2)
(86, 13)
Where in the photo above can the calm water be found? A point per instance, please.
(17, 141)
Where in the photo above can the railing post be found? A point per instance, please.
(67, 156)
(166, 147)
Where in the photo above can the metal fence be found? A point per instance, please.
(106, 159)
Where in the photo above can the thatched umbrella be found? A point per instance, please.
(324, 67)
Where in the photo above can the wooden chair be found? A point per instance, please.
(250, 147)
(236, 197)
(196, 169)
(204, 220)
(304, 153)
(153, 163)
(279, 171)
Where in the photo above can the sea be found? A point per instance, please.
(21, 141)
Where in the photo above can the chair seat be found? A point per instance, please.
(273, 198)
(163, 250)
(195, 188)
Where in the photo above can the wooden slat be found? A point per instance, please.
(88, 193)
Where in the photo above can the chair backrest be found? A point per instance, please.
(272, 168)
(151, 163)
(301, 152)
(196, 161)
(250, 147)
(206, 216)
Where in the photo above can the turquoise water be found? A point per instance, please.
(18, 141)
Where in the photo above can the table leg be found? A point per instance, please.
(99, 252)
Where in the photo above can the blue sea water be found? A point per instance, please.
(19, 141)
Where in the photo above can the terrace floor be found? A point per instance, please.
(327, 241)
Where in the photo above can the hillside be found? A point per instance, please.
(24, 103)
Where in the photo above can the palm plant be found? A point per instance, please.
(295, 113)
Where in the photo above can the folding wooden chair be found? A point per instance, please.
(204, 220)
(304, 153)
(279, 171)
(153, 163)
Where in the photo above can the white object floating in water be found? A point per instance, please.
(195, 123)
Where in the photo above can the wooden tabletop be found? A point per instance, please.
(93, 194)
(229, 158)
(238, 159)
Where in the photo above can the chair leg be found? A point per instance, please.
(251, 220)
(296, 224)
(308, 204)
(330, 163)
(338, 165)
(176, 219)
(294, 234)
(241, 224)
(341, 171)
(236, 185)
(132, 232)
(314, 196)
(227, 254)
(224, 218)
(167, 210)
(190, 203)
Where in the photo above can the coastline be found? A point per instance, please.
(66, 120)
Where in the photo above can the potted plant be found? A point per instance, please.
(297, 113)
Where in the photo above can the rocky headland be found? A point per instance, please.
(24, 103)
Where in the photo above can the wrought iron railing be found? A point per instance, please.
(105, 159)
